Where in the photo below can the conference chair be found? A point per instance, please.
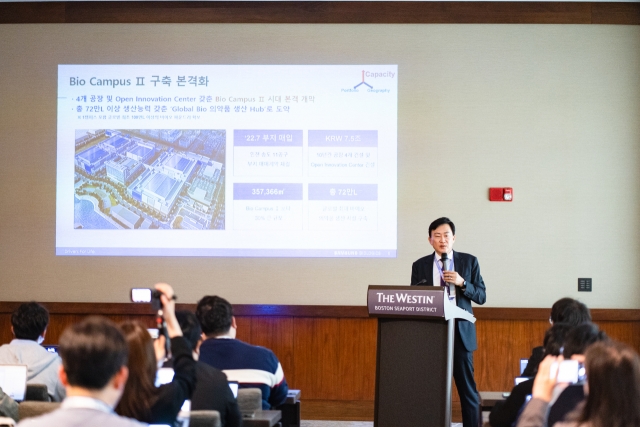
(250, 404)
(249, 400)
(28, 409)
(204, 419)
(37, 392)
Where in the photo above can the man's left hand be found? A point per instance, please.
(453, 277)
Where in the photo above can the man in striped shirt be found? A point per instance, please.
(251, 366)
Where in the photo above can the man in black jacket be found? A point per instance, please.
(565, 310)
(212, 388)
(505, 413)
(469, 286)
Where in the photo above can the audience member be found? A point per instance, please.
(565, 310)
(8, 406)
(576, 343)
(250, 365)
(29, 326)
(141, 399)
(580, 338)
(94, 372)
(612, 389)
(212, 390)
(504, 414)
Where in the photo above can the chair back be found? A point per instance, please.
(37, 392)
(29, 409)
(249, 399)
(204, 419)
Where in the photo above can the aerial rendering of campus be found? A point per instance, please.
(149, 179)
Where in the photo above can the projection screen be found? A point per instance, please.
(227, 160)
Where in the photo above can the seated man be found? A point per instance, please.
(94, 372)
(565, 310)
(212, 390)
(505, 413)
(251, 366)
(29, 326)
(575, 346)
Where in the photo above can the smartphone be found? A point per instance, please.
(568, 371)
(146, 295)
(141, 294)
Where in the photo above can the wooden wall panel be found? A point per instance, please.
(357, 358)
(27, 13)
(334, 12)
(615, 13)
(5, 328)
(244, 328)
(501, 345)
(276, 333)
(626, 332)
(58, 322)
(317, 344)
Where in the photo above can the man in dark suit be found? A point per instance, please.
(469, 286)
(212, 390)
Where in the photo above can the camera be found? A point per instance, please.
(147, 295)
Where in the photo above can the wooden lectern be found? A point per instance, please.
(416, 326)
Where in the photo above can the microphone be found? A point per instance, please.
(446, 267)
(421, 282)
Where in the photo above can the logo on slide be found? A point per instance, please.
(367, 77)
(363, 83)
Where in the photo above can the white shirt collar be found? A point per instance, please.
(86, 402)
(436, 257)
(224, 337)
(21, 341)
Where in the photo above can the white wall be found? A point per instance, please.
(550, 110)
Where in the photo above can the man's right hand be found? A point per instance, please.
(544, 383)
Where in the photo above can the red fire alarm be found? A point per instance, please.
(501, 194)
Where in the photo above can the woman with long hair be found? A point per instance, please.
(141, 399)
(612, 390)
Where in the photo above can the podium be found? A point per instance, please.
(414, 363)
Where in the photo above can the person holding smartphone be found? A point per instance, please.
(576, 344)
(141, 399)
(612, 390)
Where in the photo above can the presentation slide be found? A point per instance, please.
(227, 160)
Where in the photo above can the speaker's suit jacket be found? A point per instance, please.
(467, 266)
